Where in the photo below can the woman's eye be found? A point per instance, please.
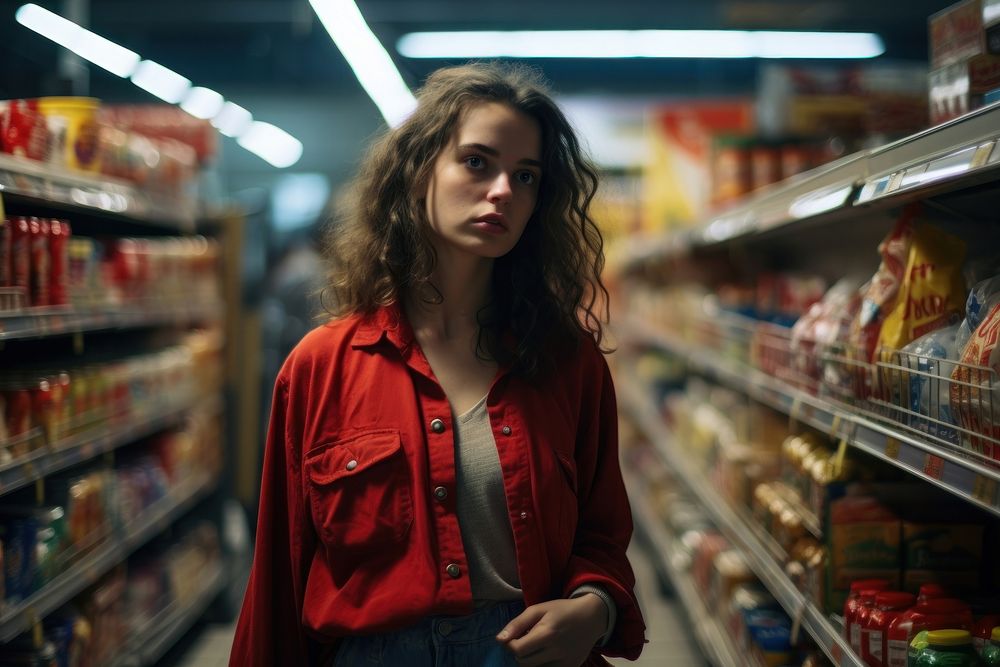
(526, 177)
(474, 161)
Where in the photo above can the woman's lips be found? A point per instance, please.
(492, 223)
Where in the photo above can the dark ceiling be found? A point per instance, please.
(279, 45)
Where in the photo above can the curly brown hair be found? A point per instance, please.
(546, 292)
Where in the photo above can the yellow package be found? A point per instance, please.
(932, 294)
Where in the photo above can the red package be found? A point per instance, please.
(40, 232)
(975, 386)
(20, 253)
(5, 249)
(23, 130)
(59, 262)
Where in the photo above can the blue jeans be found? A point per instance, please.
(437, 641)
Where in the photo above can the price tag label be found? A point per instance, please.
(793, 415)
(984, 489)
(933, 466)
(838, 458)
(892, 448)
(835, 425)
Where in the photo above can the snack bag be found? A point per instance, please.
(878, 298)
(932, 292)
(982, 297)
(932, 357)
(827, 321)
(975, 388)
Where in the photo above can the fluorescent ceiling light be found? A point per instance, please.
(272, 144)
(640, 44)
(98, 50)
(233, 120)
(164, 83)
(367, 57)
(202, 103)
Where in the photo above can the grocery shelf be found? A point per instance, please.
(44, 322)
(18, 618)
(948, 157)
(41, 182)
(68, 453)
(149, 643)
(713, 639)
(962, 477)
(738, 531)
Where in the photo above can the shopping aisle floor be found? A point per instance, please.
(670, 643)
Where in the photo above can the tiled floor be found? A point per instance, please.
(670, 643)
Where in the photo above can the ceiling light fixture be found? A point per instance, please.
(102, 52)
(160, 81)
(233, 120)
(271, 144)
(203, 103)
(367, 57)
(640, 44)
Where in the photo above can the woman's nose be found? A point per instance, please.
(500, 189)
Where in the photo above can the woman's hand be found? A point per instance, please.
(558, 633)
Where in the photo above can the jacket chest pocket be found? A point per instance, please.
(359, 493)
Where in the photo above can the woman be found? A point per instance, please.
(441, 481)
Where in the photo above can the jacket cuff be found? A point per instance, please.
(608, 602)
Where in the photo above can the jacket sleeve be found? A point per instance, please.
(605, 523)
(269, 630)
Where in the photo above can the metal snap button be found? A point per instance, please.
(524, 515)
(440, 492)
(453, 571)
(505, 430)
(437, 426)
(352, 464)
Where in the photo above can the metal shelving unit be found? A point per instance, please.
(738, 531)
(150, 642)
(116, 206)
(68, 453)
(715, 642)
(20, 617)
(955, 155)
(962, 477)
(48, 185)
(51, 322)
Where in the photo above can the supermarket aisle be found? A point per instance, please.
(669, 637)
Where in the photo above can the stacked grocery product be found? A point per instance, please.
(44, 266)
(79, 134)
(46, 407)
(965, 58)
(746, 615)
(845, 525)
(915, 344)
(86, 508)
(101, 623)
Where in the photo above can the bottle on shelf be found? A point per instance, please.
(951, 648)
(941, 614)
(853, 603)
(991, 652)
(889, 605)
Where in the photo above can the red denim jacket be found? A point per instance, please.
(354, 534)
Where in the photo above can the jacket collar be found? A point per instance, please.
(389, 323)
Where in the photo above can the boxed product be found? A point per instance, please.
(963, 31)
(944, 553)
(961, 87)
(863, 543)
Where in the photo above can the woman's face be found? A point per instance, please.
(484, 183)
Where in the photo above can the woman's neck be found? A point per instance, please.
(463, 289)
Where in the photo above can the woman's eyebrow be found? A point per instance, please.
(483, 148)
